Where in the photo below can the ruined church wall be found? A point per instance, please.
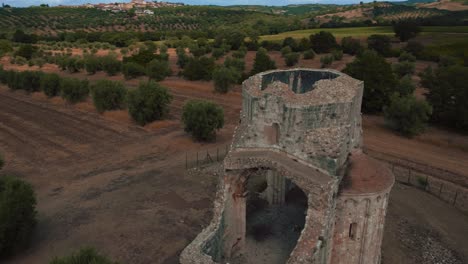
(336, 125)
(359, 226)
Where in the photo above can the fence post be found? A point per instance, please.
(225, 153)
(455, 198)
(427, 188)
(409, 176)
(197, 159)
(440, 190)
(217, 154)
(186, 161)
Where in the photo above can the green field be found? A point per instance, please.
(359, 32)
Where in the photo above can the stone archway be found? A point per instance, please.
(317, 186)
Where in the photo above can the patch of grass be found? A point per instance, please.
(338, 32)
(441, 29)
(360, 32)
(457, 49)
(422, 182)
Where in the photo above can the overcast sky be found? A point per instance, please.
(21, 3)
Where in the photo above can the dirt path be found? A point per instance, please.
(420, 228)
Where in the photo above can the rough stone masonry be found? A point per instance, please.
(302, 126)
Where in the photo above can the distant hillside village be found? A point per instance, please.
(141, 7)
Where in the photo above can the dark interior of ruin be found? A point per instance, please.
(272, 229)
(299, 81)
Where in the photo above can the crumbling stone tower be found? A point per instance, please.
(302, 127)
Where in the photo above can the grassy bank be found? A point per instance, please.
(360, 32)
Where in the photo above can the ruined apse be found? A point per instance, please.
(296, 186)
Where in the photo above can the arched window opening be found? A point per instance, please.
(272, 134)
(352, 231)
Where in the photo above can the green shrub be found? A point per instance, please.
(236, 63)
(19, 60)
(337, 54)
(217, 53)
(17, 215)
(132, 70)
(407, 115)
(291, 43)
(143, 57)
(406, 29)
(448, 95)
(304, 44)
(202, 119)
(74, 64)
(262, 62)
(74, 90)
(309, 54)
(351, 46)
(380, 43)
(148, 103)
(158, 70)
(111, 65)
(406, 56)
(182, 58)
(378, 77)
(405, 86)
(26, 51)
(326, 60)
(108, 95)
(13, 80)
(5, 46)
(92, 64)
(422, 182)
(446, 61)
(84, 256)
(323, 42)
(404, 68)
(3, 75)
(50, 84)
(240, 53)
(415, 48)
(38, 62)
(224, 78)
(285, 50)
(292, 58)
(29, 81)
(199, 68)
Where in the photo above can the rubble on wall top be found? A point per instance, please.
(326, 91)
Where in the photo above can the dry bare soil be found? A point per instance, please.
(124, 190)
(105, 182)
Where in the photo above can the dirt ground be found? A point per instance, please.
(414, 233)
(105, 182)
(446, 5)
(124, 190)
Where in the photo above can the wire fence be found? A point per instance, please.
(202, 158)
(431, 181)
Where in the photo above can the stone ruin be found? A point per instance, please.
(297, 187)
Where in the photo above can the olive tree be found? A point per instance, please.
(149, 102)
(17, 215)
(202, 119)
